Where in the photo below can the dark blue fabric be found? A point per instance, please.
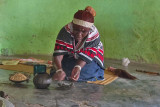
(90, 72)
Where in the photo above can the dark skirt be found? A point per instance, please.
(90, 72)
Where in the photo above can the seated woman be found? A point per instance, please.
(78, 53)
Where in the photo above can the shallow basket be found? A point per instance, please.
(26, 74)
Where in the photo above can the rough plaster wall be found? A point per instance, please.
(131, 29)
(128, 28)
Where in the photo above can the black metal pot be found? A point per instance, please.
(41, 79)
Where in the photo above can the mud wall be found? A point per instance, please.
(128, 28)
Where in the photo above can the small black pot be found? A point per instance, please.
(41, 79)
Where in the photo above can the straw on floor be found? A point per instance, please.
(108, 76)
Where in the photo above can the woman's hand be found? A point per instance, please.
(75, 73)
(60, 75)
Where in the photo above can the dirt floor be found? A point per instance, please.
(143, 92)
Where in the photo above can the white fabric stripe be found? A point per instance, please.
(99, 60)
(93, 33)
(58, 51)
(82, 23)
(92, 39)
(86, 56)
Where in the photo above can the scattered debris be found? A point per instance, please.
(85, 104)
(34, 105)
(148, 72)
(3, 95)
(64, 85)
(125, 61)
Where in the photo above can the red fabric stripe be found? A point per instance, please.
(100, 50)
(100, 56)
(63, 43)
(88, 53)
(59, 47)
(93, 49)
(91, 54)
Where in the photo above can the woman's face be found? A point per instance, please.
(79, 32)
